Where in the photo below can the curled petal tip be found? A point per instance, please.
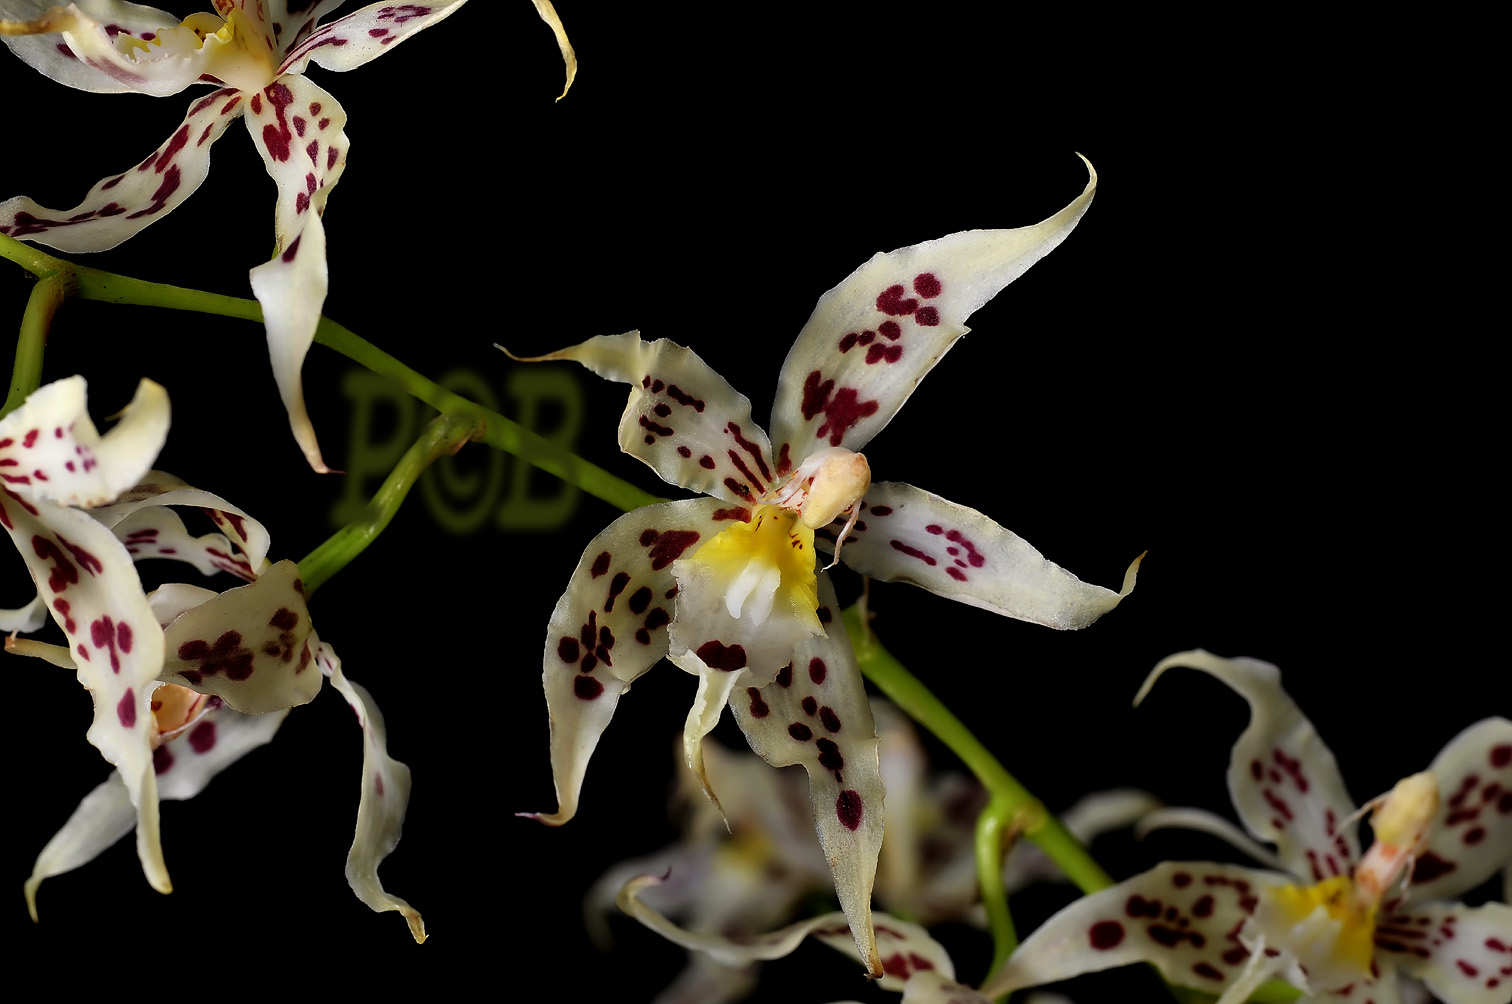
(549, 818)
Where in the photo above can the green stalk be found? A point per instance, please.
(1011, 809)
(499, 432)
(45, 299)
(444, 435)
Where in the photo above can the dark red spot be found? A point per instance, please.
(759, 707)
(926, 285)
(202, 737)
(1501, 755)
(616, 586)
(284, 620)
(879, 353)
(162, 759)
(739, 513)
(1474, 835)
(668, 546)
(817, 669)
(126, 709)
(848, 809)
(810, 706)
(829, 755)
(1203, 907)
(815, 394)
(587, 688)
(891, 302)
(706, 462)
(1206, 969)
(600, 564)
(718, 655)
(684, 452)
(640, 600)
(800, 732)
(1181, 880)
(1430, 866)
(567, 650)
(927, 316)
(1106, 934)
(828, 717)
(1466, 968)
(912, 552)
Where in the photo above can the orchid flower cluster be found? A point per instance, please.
(732, 586)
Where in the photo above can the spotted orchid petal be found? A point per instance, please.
(1284, 781)
(908, 948)
(683, 419)
(1472, 838)
(873, 337)
(158, 532)
(184, 762)
(1184, 917)
(107, 46)
(815, 713)
(136, 510)
(1463, 954)
(122, 204)
(51, 451)
(52, 456)
(381, 808)
(609, 627)
(363, 35)
(297, 127)
(251, 646)
(909, 535)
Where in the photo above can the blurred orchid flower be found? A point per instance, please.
(257, 52)
(912, 961)
(758, 874)
(1340, 923)
(185, 680)
(726, 585)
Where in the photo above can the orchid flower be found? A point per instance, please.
(185, 680)
(726, 585)
(255, 52)
(1340, 924)
(752, 869)
(912, 961)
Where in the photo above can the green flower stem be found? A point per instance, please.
(992, 843)
(444, 435)
(1025, 813)
(1012, 809)
(46, 297)
(499, 432)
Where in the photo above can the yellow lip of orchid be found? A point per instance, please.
(760, 562)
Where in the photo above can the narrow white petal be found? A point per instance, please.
(906, 534)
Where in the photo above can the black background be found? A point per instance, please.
(1254, 358)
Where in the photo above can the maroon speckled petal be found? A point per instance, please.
(1284, 780)
(1184, 917)
(1471, 839)
(873, 337)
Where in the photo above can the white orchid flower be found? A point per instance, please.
(255, 52)
(726, 586)
(1341, 925)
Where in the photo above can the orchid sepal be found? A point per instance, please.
(382, 804)
(907, 948)
(876, 335)
(51, 457)
(909, 535)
